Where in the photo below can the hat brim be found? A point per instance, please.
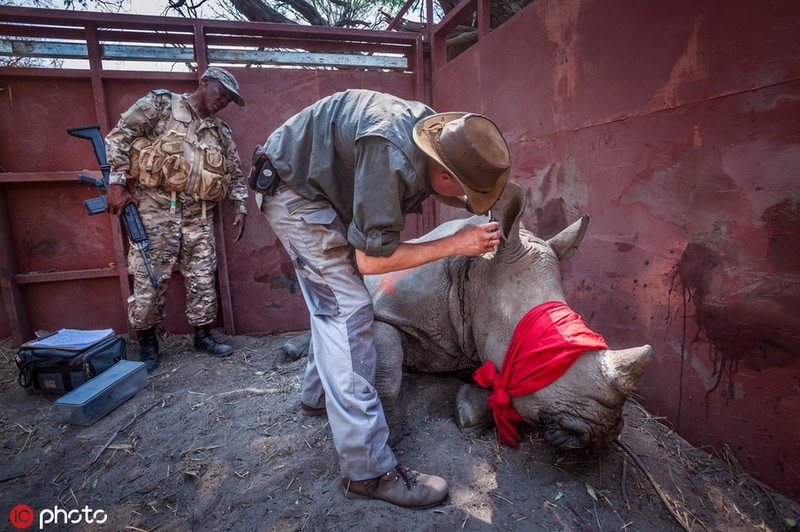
(235, 96)
(238, 100)
(425, 136)
(218, 74)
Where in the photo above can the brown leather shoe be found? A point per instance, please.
(400, 486)
(307, 410)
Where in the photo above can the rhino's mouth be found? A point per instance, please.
(567, 431)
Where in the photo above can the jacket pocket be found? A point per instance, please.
(146, 162)
(213, 187)
(214, 161)
(214, 182)
(175, 169)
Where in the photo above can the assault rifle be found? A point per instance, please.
(130, 215)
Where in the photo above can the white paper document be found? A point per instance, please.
(72, 339)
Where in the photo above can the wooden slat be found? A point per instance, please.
(73, 275)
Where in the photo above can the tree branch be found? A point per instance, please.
(258, 11)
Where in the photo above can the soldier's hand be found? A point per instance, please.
(118, 197)
(239, 221)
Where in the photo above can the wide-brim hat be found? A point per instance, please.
(227, 80)
(472, 149)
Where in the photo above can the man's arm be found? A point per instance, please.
(237, 192)
(469, 240)
(134, 123)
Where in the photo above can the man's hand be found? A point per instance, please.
(477, 239)
(119, 196)
(239, 221)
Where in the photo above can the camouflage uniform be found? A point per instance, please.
(185, 236)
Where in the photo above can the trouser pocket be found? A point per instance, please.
(320, 253)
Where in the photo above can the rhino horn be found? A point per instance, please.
(624, 367)
(508, 211)
(567, 241)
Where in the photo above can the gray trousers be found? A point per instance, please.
(341, 367)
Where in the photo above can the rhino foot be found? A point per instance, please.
(473, 414)
(297, 347)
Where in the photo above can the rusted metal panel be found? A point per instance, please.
(33, 135)
(675, 126)
(53, 241)
(563, 85)
(52, 231)
(75, 305)
(50, 245)
(13, 313)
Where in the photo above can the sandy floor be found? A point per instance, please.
(216, 444)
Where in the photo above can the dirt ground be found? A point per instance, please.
(219, 444)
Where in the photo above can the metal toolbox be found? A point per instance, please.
(98, 396)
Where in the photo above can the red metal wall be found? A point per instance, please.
(51, 232)
(676, 126)
(60, 267)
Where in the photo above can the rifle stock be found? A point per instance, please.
(130, 215)
(92, 133)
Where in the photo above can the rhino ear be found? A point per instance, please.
(567, 241)
(508, 211)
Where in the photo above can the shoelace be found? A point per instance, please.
(409, 479)
(409, 476)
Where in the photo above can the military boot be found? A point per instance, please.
(148, 349)
(203, 340)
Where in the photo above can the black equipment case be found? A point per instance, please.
(58, 371)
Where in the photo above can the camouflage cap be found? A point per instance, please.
(227, 80)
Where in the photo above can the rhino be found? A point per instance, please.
(452, 315)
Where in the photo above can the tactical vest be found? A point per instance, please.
(178, 161)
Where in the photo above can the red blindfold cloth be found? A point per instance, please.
(545, 344)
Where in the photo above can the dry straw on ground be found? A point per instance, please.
(216, 444)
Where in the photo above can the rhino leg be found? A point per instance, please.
(389, 376)
(473, 414)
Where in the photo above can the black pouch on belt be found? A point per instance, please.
(263, 176)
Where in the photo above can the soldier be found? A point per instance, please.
(184, 161)
(338, 180)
